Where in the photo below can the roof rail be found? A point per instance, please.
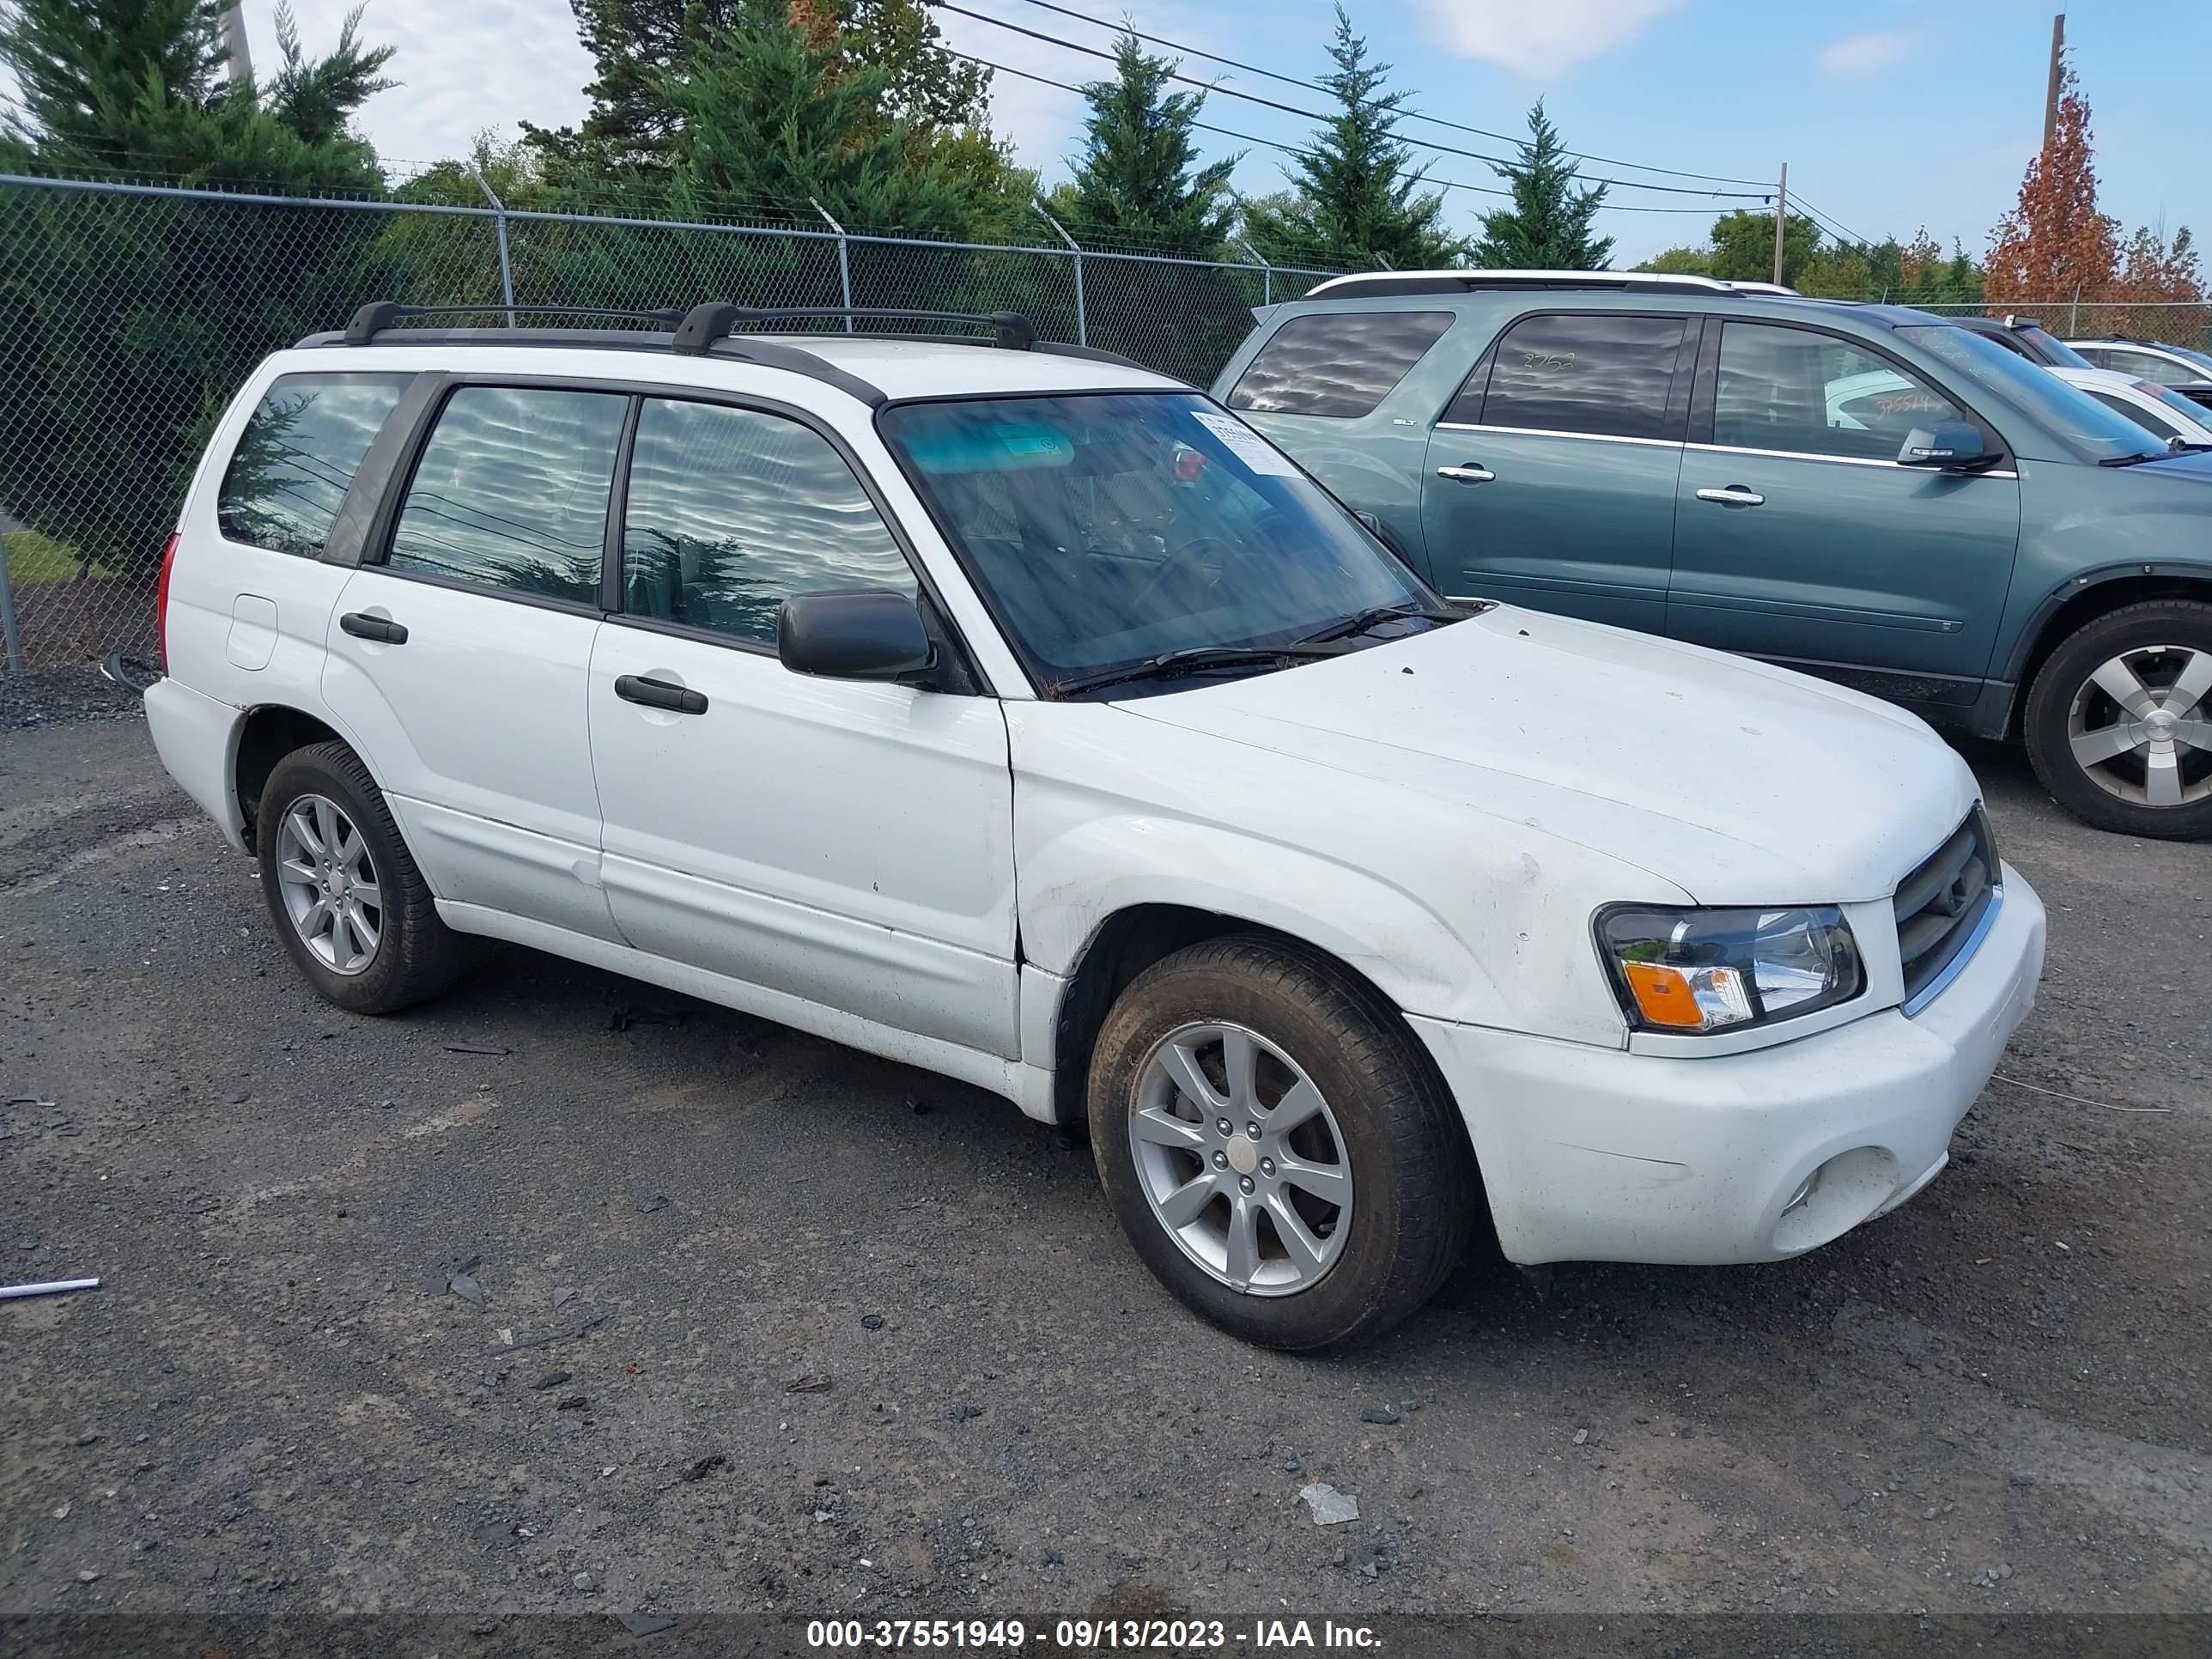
(378, 315)
(715, 319)
(1470, 282)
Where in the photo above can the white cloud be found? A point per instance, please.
(1542, 38)
(1863, 54)
(462, 67)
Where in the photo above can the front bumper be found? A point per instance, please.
(1599, 1155)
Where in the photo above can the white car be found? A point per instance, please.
(1017, 713)
(2158, 409)
(2148, 360)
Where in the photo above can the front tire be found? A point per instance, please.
(2119, 721)
(351, 907)
(1340, 1196)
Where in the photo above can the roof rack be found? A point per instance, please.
(1471, 282)
(710, 328)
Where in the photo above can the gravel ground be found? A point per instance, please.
(564, 1295)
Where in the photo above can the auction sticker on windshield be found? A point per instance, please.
(1246, 445)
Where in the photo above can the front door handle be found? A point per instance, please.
(1473, 472)
(1734, 495)
(382, 630)
(659, 693)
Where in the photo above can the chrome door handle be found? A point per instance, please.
(1734, 495)
(1473, 472)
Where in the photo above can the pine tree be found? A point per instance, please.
(1548, 226)
(764, 113)
(2055, 242)
(1138, 181)
(1354, 199)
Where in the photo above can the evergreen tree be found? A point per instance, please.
(1548, 226)
(768, 113)
(1355, 200)
(633, 128)
(1138, 181)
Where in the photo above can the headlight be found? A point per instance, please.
(1703, 970)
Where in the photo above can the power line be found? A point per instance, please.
(1315, 115)
(1293, 150)
(1835, 228)
(1411, 114)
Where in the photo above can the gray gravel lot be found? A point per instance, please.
(761, 1323)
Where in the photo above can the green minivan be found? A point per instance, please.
(1863, 492)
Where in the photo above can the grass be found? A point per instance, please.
(34, 557)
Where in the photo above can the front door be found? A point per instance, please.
(456, 658)
(1551, 478)
(847, 844)
(1798, 536)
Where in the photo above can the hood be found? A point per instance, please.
(1738, 782)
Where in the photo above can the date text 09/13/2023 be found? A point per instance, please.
(1168, 1635)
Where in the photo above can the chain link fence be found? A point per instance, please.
(128, 314)
(2177, 322)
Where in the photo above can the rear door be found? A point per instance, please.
(1551, 477)
(459, 656)
(1798, 538)
(849, 844)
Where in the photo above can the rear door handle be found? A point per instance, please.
(659, 693)
(1734, 495)
(383, 629)
(1473, 472)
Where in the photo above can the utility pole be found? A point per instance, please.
(2050, 90)
(240, 64)
(1781, 216)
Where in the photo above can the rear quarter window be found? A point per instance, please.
(1338, 364)
(297, 456)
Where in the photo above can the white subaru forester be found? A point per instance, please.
(1008, 709)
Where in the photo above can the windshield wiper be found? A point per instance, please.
(2137, 460)
(1361, 621)
(1173, 665)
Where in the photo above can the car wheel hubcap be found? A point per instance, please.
(1241, 1159)
(329, 884)
(2141, 726)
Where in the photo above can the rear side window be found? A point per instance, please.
(297, 457)
(1340, 364)
(2144, 365)
(512, 492)
(1597, 373)
(731, 511)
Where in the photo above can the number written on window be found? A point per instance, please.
(1596, 372)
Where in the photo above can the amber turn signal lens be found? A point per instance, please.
(1664, 996)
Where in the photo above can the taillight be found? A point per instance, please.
(161, 603)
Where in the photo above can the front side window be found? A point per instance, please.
(2084, 424)
(1793, 390)
(1340, 364)
(511, 492)
(297, 456)
(1107, 529)
(1596, 373)
(731, 511)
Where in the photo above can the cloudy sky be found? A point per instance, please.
(1890, 115)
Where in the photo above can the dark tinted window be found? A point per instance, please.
(1596, 372)
(730, 511)
(298, 455)
(1812, 394)
(1340, 364)
(512, 491)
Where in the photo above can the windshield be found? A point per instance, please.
(2093, 431)
(1107, 529)
(2055, 350)
(2199, 358)
(2166, 397)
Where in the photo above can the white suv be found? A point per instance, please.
(1015, 712)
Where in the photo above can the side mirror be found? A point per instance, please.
(1947, 447)
(862, 634)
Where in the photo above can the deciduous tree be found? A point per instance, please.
(2055, 242)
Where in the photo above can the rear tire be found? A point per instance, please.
(1327, 1097)
(2111, 717)
(348, 902)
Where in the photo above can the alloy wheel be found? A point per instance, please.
(1241, 1159)
(329, 884)
(2141, 726)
